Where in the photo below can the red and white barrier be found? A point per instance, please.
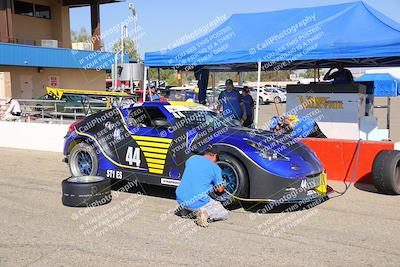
(339, 157)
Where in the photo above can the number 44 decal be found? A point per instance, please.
(133, 156)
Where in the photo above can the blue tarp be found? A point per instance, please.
(354, 32)
(384, 83)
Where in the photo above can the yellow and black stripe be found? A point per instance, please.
(155, 151)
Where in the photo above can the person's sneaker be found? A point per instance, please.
(202, 218)
(184, 213)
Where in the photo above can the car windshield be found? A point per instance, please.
(202, 119)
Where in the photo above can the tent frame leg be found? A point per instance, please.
(258, 95)
(145, 83)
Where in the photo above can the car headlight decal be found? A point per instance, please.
(265, 152)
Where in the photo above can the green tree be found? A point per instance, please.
(167, 75)
(310, 73)
(80, 37)
(129, 47)
(172, 80)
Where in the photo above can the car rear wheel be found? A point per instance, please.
(83, 160)
(260, 101)
(235, 177)
(386, 172)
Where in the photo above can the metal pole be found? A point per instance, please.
(158, 77)
(148, 82)
(213, 88)
(122, 43)
(114, 72)
(137, 41)
(315, 74)
(131, 78)
(258, 95)
(388, 115)
(144, 84)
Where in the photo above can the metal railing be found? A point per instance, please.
(56, 110)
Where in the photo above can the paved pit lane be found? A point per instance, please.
(359, 228)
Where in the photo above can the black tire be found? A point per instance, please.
(260, 101)
(86, 191)
(242, 188)
(73, 160)
(386, 172)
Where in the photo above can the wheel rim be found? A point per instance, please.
(230, 176)
(84, 163)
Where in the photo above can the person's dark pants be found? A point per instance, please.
(248, 122)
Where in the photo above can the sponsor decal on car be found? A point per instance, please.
(170, 181)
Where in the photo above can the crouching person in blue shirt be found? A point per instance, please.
(201, 176)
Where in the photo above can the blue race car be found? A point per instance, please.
(150, 142)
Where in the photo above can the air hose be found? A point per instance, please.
(357, 152)
(247, 199)
(276, 109)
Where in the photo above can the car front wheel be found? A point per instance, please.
(235, 176)
(83, 160)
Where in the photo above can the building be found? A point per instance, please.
(35, 48)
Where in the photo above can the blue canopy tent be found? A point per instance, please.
(301, 38)
(384, 83)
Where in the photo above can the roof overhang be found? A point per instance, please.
(80, 3)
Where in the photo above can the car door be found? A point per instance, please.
(151, 139)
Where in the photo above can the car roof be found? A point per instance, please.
(166, 103)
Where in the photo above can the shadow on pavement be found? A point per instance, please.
(366, 187)
(169, 193)
(148, 190)
(265, 208)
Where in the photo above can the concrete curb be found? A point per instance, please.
(35, 136)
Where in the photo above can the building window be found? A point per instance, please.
(28, 9)
(42, 12)
(23, 8)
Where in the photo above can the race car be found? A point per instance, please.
(150, 142)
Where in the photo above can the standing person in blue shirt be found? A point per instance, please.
(201, 176)
(232, 104)
(341, 76)
(249, 105)
(153, 93)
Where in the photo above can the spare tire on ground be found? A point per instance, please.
(386, 172)
(86, 191)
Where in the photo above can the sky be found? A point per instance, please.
(163, 22)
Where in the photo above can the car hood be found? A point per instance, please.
(296, 159)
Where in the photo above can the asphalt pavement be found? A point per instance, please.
(360, 228)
